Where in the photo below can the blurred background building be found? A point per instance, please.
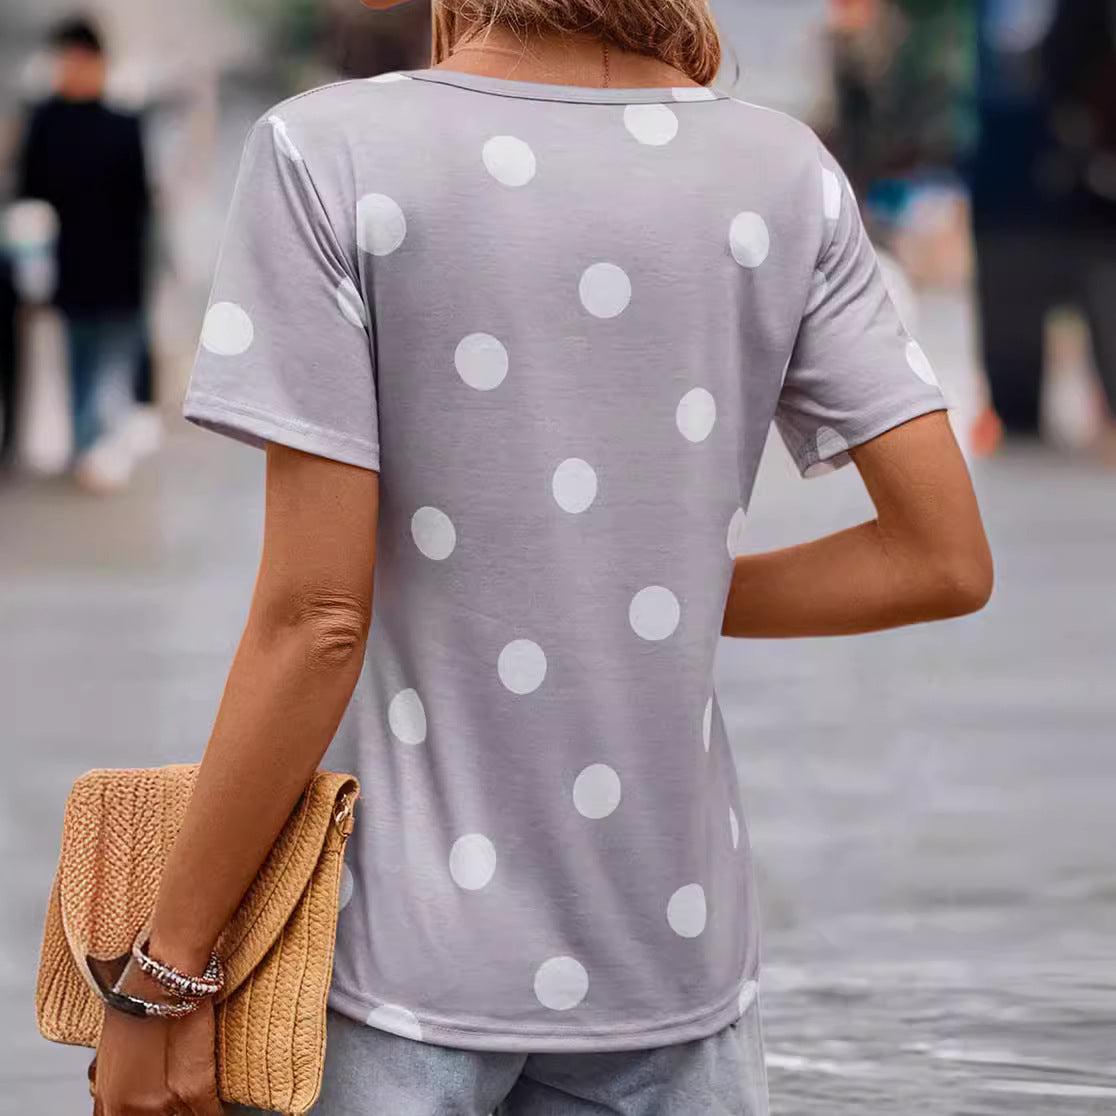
(931, 810)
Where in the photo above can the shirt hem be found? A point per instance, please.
(490, 1037)
(813, 462)
(259, 428)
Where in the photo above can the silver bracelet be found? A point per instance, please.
(188, 987)
(115, 997)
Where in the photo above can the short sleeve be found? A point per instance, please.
(855, 372)
(286, 354)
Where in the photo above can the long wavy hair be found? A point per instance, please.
(681, 33)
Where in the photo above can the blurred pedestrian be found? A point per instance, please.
(1080, 65)
(86, 160)
(9, 383)
(1043, 180)
(513, 331)
(902, 78)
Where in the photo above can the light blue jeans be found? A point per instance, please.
(104, 352)
(370, 1073)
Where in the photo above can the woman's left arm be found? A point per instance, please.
(925, 557)
(290, 683)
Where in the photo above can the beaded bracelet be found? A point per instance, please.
(188, 987)
(173, 1007)
(145, 1009)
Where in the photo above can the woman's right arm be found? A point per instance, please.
(291, 680)
(924, 558)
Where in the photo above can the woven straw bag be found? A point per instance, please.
(278, 949)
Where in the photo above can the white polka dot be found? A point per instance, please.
(575, 486)
(352, 305)
(654, 125)
(831, 194)
(381, 225)
(734, 828)
(384, 79)
(283, 139)
(920, 364)
(737, 528)
(694, 93)
(697, 415)
(434, 533)
(819, 288)
(407, 718)
(522, 667)
(707, 725)
(509, 160)
(748, 995)
(605, 290)
(686, 911)
(395, 1020)
(482, 361)
(561, 983)
(597, 792)
(346, 896)
(750, 239)
(472, 862)
(655, 613)
(227, 331)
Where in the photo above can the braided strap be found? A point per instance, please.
(180, 984)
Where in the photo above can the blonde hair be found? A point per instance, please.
(681, 33)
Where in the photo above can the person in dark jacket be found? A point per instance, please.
(86, 160)
(1080, 66)
(1043, 181)
(8, 373)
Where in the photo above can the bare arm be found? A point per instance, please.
(290, 682)
(289, 686)
(926, 556)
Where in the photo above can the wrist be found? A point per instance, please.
(188, 957)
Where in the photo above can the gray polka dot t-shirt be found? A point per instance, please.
(559, 322)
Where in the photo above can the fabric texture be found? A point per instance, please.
(560, 322)
(370, 1072)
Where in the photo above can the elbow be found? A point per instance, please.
(964, 584)
(336, 630)
(328, 629)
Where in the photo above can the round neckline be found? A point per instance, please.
(575, 94)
